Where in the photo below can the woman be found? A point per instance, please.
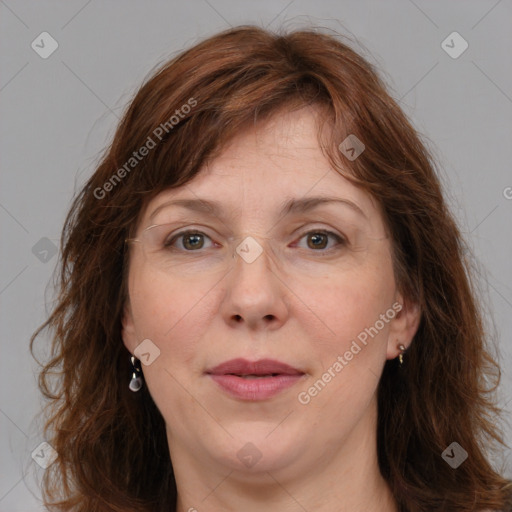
(264, 301)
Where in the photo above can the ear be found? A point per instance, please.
(128, 328)
(404, 326)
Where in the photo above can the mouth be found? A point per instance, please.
(254, 380)
(254, 376)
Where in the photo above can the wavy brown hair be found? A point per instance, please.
(111, 443)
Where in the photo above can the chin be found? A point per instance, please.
(254, 451)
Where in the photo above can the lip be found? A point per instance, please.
(278, 377)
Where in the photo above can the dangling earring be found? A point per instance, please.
(401, 355)
(136, 380)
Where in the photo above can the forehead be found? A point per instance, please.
(268, 165)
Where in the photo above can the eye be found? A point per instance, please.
(319, 239)
(191, 240)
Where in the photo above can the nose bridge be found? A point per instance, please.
(255, 291)
(251, 248)
(253, 257)
(263, 249)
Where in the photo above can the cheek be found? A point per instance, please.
(353, 352)
(343, 305)
(170, 312)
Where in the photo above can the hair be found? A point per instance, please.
(111, 443)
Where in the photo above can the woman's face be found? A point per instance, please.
(324, 304)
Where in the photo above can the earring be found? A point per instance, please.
(136, 380)
(401, 355)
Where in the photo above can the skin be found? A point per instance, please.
(290, 304)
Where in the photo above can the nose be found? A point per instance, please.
(256, 296)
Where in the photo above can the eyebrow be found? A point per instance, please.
(296, 206)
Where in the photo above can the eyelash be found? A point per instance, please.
(341, 241)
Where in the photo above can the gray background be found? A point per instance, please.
(57, 114)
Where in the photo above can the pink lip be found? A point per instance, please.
(280, 377)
